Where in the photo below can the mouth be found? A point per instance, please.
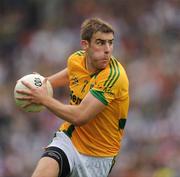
(104, 63)
(106, 59)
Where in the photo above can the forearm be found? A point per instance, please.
(70, 113)
(59, 79)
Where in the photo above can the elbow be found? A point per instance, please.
(80, 120)
(78, 123)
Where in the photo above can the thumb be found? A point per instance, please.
(45, 81)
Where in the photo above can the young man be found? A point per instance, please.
(90, 137)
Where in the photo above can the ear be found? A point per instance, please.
(84, 44)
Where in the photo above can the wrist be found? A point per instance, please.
(46, 100)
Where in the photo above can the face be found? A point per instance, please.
(99, 51)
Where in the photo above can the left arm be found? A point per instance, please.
(59, 79)
(75, 114)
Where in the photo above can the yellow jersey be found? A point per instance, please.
(102, 135)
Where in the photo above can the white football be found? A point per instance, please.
(35, 80)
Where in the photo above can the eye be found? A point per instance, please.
(110, 42)
(100, 42)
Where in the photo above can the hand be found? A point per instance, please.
(33, 94)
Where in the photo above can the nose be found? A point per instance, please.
(107, 48)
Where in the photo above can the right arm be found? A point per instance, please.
(59, 79)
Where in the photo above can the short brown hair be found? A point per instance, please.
(92, 26)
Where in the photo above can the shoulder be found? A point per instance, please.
(113, 79)
(75, 62)
(76, 56)
(117, 69)
(113, 73)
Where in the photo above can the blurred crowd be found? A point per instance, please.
(39, 35)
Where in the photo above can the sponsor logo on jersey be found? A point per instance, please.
(75, 99)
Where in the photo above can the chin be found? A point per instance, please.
(103, 66)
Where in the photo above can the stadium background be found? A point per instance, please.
(38, 35)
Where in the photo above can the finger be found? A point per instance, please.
(45, 81)
(24, 98)
(28, 85)
(24, 92)
(25, 106)
(28, 104)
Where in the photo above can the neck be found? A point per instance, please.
(89, 66)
